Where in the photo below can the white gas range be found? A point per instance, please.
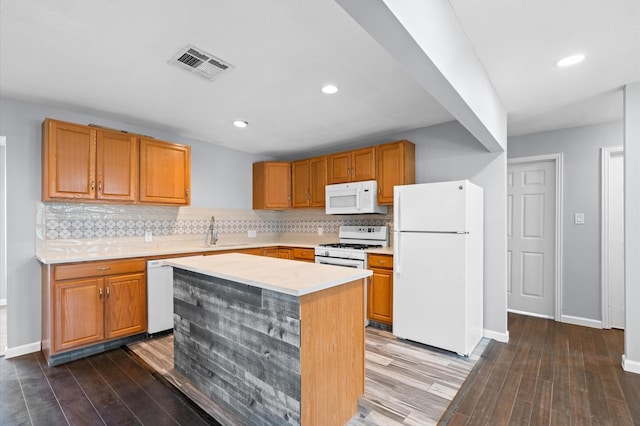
(350, 251)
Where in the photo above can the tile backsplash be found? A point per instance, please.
(74, 221)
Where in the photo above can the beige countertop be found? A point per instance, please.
(281, 275)
(381, 250)
(72, 254)
(122, 251)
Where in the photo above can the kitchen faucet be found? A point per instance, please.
(211, 237)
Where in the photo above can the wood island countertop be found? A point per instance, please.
(285, 276)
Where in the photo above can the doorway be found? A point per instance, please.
(612, 228)
(534, 230)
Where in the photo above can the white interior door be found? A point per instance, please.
(531, 204)
(613, 237)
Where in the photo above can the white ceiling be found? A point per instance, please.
(109, 58)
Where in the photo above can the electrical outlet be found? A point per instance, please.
(320, 232)
(251, 233)
(148, 236)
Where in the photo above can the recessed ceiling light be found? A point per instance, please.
(570, 60)
(240, 123)
(329, 89)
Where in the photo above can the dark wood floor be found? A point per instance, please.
(110, 388)
(549, 373)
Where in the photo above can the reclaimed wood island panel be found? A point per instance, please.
(273, 341)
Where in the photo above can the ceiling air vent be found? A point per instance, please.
(199, 62)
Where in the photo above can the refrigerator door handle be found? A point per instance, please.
(396, 257)
(397, 211)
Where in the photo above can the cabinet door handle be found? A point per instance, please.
(186, 192)
(99, 186)
(100, 292)
(108, 291)
(104, 268)
(93, 185)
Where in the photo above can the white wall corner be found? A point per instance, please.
(630, 366)
(22, 350)
(631, 225)
(496, 335)
(585, 322)
(427, 40)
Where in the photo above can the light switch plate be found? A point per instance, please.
(578, 218)
(320, 232)
(251, 233)
(148, 236)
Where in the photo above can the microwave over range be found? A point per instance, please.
(353, 198)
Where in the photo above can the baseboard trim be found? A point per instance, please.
(629, 365)
(497, 336)
(530, 314)
(22, 350)
(585, 322)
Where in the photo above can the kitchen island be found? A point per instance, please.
(273, 341)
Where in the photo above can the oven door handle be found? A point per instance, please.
(358, 264)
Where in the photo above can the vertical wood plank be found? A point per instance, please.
(332, 354)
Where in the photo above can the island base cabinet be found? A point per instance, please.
(267, 357)
(332, 354)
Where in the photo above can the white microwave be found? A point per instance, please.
(353, 198)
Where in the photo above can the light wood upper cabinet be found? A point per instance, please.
(88, 164)
(309, 178)
(272, 185)
(396, 166)
(116, 166)
(352, 166)
(165, 172)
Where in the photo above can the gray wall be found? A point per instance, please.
(581, 243)
(221, 178)
(449, 152)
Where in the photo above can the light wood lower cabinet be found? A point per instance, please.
(285, 253)
(304, 254)
(91, 302)
(294, 253)
(380, 289)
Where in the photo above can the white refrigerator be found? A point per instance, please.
(438, 264)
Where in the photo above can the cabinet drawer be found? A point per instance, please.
(97, 269)
(380, 261)
(304, 253)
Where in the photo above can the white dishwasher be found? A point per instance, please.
(159, 297)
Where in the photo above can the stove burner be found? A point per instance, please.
(351, 246)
